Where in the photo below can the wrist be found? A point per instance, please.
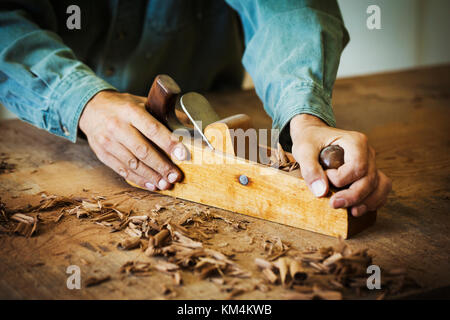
(98, 98)
(303, 121)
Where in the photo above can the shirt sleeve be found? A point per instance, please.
(41, 80)
(292, 53)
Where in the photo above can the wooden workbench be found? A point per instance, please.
(406, 116)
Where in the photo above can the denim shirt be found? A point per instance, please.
(48, 72)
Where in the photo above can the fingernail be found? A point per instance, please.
(163, 184)
(150, 186)
(359, 210)
(180, 153)
(172, 177)
(339, 203)
(318, 188)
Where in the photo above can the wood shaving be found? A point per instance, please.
(280, 160)
(129, 243)
(95, 281)
(327, 273)
(136, 268)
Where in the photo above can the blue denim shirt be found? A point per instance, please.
(48, 73)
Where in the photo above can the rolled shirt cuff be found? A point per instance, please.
(69, 99)
(301, 98)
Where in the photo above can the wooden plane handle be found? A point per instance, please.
(331, 157)
(162, 98)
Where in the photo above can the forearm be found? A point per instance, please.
(292, 53)
(41, 80)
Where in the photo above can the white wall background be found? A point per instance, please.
(413, 33)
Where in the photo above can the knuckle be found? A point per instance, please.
(360, 170)
(102, 140)
(123, 172)
(130, 107)
(164, 169)
(172, 144)
(339, 181)
(132, 163)
(152, 128)
(101, 156)
(140, 181)
(309, 171)
(112, 124)
(149, 174)
(353, 198)
(141, 151)
(373, 179)
(362, 138)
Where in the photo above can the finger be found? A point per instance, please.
(307, 155)
(134, 165)
(159, 134)
(358, 190)
(116, 165)
(377, 198)
(133, 140)
(356, 155)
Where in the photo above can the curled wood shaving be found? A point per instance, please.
(283, 267)
(165, 266)
(19, 217)
(161, 237)
(263, 264)
(26, 225)
(280, 160)
(177, 280)
(297, 271)
(270, 275)
(327, 273)
(25, 229)
(136, 267)
(95, 281)
(235, 292)
(168, 292)
(275, 248)
(129, 243)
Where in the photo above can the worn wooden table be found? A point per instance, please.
(406, 116)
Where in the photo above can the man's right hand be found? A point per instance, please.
(124, 136)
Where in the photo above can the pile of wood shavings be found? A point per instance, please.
(175, 246)
(280, 160)
(327, 273)
(25, 221)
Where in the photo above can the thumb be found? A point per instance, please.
(307, 155)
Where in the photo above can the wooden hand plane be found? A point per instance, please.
(217, 176)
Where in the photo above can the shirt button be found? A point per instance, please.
(66, 132)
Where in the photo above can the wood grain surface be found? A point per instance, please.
(406, 116)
